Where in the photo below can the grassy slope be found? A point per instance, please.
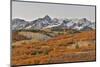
(55, 50)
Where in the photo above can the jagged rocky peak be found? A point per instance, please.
(17, 19)
(83, 20)
(55, 20)
(48, 22)
(47, 17)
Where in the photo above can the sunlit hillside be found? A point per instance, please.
(60, 48)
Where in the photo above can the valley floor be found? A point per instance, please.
(53, 49)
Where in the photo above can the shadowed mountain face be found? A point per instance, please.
(18, 24)
(48, 22)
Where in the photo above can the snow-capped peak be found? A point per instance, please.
(48, 22)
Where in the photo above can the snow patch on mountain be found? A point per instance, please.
(48, 22)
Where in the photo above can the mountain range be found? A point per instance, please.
(52, 23)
